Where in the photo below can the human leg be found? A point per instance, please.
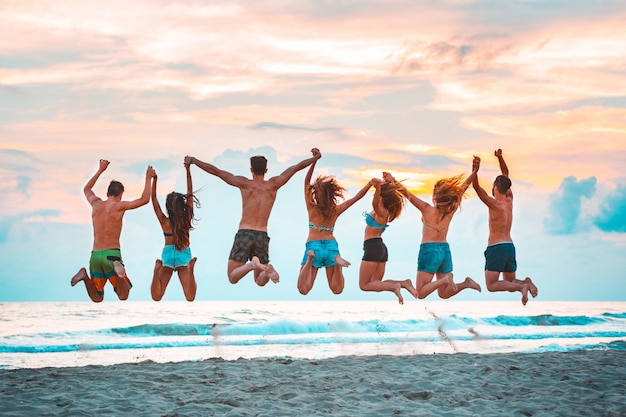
(308, 273)
(336, 281)
(92, 291)
(187, 279)
(425, 286)
(160, 279)
(448, 291)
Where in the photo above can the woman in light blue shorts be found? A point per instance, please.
(176, 255)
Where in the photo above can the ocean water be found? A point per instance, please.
(50, 334)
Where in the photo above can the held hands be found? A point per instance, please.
(316, 153)
(376, 182)
(475, 163)
(188, 161)
(150, 172)
(387, 177)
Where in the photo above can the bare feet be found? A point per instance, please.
(273, 274)
(525, 294)
(470, 283)
(398, 294)
(119, 269)
(408, 285)
(531, 287)
(341, 262)
(256, 264)
(80, 276)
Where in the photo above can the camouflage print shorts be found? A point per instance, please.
(249, 243)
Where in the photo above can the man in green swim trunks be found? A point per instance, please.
(106, 259)
(500, 253)
(258, 196)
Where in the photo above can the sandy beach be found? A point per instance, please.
(580, 383)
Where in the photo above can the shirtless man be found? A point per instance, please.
(106, 262)
(257, 198)
(500, 253)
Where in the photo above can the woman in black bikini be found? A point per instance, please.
(176, 254)
(387, 205)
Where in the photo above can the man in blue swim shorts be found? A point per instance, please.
(106, 263)
(250, 247)
(500, 252)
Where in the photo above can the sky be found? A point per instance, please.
(412, 87)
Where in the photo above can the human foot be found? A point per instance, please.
(470, 283)
(80, 276)
(341, 262)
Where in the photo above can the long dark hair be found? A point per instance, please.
(326, 192)
(180, 214)
(392, 199)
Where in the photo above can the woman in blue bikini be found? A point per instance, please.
(321, 250)
(387, 205)
(176, 254)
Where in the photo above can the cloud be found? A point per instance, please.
(612, 215)
(565, 205)
(279, 126)
(7, 223)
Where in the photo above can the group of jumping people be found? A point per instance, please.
(324, 199)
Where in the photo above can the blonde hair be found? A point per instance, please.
(448, 193)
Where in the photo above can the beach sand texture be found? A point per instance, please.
(579, 383)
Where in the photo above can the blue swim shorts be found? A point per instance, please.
(500, 257)
(173, 258)
(434, 257)
(325, 252)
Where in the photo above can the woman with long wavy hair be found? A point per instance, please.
(434, 256)
(387, 205)
(176, 255)
(322, 203)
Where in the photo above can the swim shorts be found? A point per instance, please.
(434, 257)
(325, 252)
(101, 268)
(249, 243)
(375, 250)
(500, 257)
(173, 258)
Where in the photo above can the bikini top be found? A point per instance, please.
(369, 220)
(320, 228)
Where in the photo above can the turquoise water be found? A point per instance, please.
(80, 334)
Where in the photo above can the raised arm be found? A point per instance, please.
(189, 187)
(480, 191)
(145, 195)
(503, 168)
(359, 195)
(420, 204)
(155, 201)
(88, 189)
(227, 177)
(470, 179)
(308, 197)
(282, 179)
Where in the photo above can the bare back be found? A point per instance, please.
(106, 216)
(501, 218)
(257, 199)
(435, 228)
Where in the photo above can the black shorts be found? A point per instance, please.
(374, 250)
(249, 243)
